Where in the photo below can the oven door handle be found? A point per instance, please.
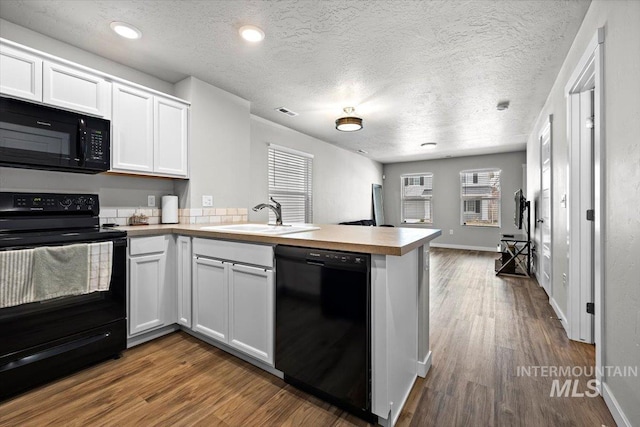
(54, 351)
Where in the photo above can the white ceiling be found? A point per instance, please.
(416, 71)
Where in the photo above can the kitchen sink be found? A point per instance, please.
(265, 229)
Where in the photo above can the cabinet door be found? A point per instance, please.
(170, 137)
(210, 298)
(77, 90)
(251, 311)
(146, 289)
(184, 281)
(132, 130)
(20, 74)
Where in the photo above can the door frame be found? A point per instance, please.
(546, 129)
(590, 72)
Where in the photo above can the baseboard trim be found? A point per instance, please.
(560, 314)
(424, 366)
(148, 336)
(463, 247)
(258, 363)
(614, 407)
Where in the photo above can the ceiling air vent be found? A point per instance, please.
(286, 111)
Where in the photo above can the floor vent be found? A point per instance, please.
(286, 111)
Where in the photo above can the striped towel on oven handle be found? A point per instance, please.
(16, 284)
(100, 265)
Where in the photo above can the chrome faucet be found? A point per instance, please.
(277, 209)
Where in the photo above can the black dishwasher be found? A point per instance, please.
(323, 325)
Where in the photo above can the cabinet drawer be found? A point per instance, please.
(246, 253)
(147, 245)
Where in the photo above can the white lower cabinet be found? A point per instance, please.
(234, 303)
(210, 298)
(184, 280)
(251, 311)
(151, 284)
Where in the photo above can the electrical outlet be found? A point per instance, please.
(207, 201)
(151, 201)
(451, 231)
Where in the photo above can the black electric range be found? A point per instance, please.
(46, 339)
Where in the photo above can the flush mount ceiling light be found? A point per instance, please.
(349, 123)
(429, 144)
(251, 33)
(125, 30)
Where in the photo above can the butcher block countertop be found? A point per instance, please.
(353, 238)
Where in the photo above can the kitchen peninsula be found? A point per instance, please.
(399, 277)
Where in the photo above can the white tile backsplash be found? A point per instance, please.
(121, 215)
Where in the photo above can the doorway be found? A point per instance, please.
(585, 184)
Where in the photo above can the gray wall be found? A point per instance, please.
(114, 190)
(446, 196)
(341, 179)
(219, 147)
(621, 181)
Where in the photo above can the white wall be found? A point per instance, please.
(219, 147)
(446, 196)
(341, 179)
(621, 20)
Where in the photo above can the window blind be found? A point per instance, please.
(417, 198)
(290, 183)
(480, 197)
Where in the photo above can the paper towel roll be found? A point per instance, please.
(169, 209)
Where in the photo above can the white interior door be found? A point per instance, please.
(581, 228)
(545, 209)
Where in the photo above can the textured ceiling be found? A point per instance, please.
(416, 71)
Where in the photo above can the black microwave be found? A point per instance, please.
(39, 137)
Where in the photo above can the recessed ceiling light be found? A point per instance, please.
(251, 33)
(125, 30)
(429, 144)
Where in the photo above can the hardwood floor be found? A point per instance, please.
(483, 328)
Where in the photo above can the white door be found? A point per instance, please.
(581, 228)
(184, 281)
(170, 137)
(210, 298)
(132, 130)
(20, 74)
(146, 288)
(545, 210)
(251, 311)
(76, 90)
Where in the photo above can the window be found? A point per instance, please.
(480, 197)
(417, 202)
(290, 173)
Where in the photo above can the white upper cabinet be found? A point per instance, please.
(170, 137)
(150, 133)
(150, 130)
(72, 89)
(20, 74)
(132, 130)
